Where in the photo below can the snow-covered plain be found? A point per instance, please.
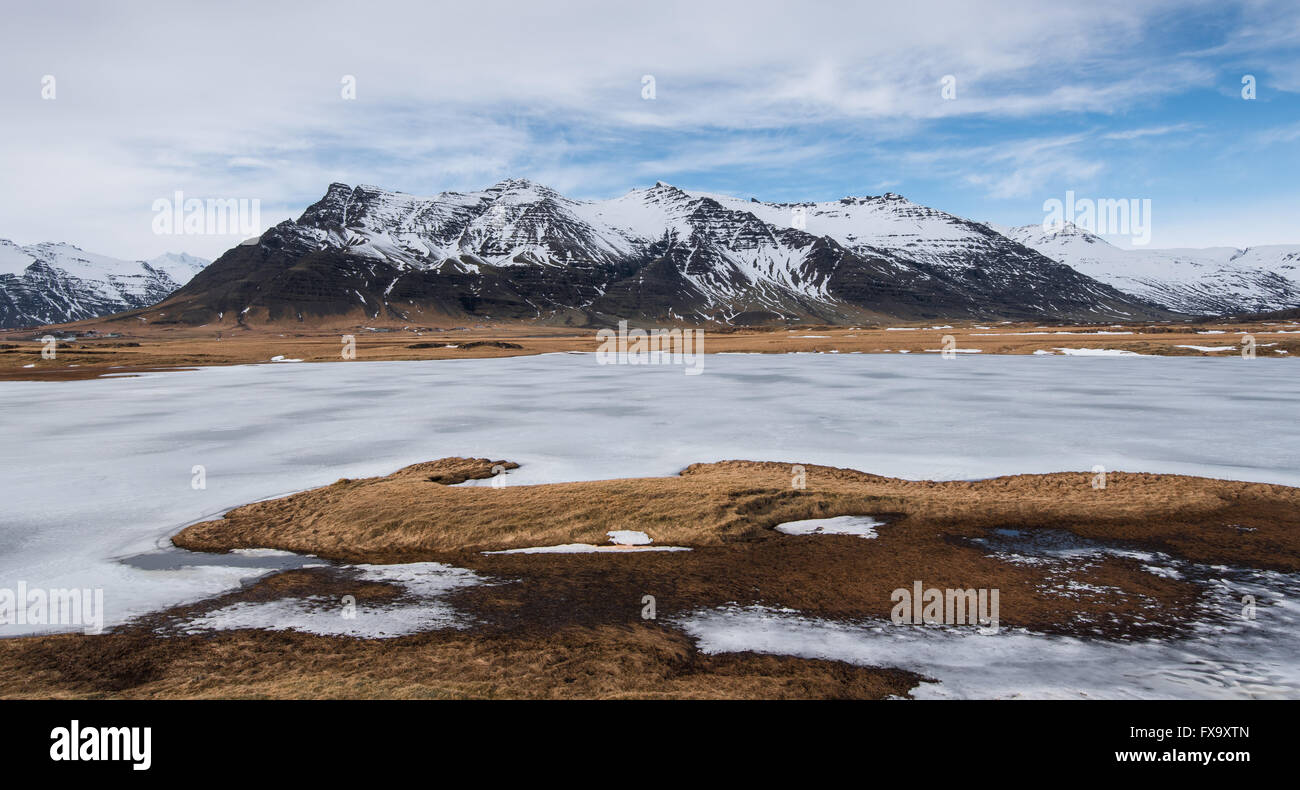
(101, 470)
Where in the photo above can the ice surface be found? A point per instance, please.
(1227, 656)
(1097, 352)
(97, 470)
(1232, 650)
(421, 610)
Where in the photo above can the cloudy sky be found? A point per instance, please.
(775, 100)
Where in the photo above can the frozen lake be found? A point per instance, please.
(96, 471)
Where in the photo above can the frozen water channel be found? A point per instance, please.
(96, 473)
(1229, 652)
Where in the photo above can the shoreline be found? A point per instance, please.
(147, 349)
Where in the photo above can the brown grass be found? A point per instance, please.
(413, 514)
(641, 661)
(144, 346)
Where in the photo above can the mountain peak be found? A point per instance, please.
(862, 200)
(521, 190)
(517, 184)
(330, 208)
(1040, 235)
(663, 189)
(1070, 230)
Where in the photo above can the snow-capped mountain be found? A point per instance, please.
(52, 283)
(1211, 281)
(179, 266)
(519, 250)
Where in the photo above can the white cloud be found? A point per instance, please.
(1018, 168)
(1149, 131)
(242, 99)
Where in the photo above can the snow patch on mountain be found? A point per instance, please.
(55, 282)
(1214, 280)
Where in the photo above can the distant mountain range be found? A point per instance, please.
(521, 251)
(54, 283)
(1212, 281)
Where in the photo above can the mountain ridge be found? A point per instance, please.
(1209, 281)
(518, 250)
(57, 282)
